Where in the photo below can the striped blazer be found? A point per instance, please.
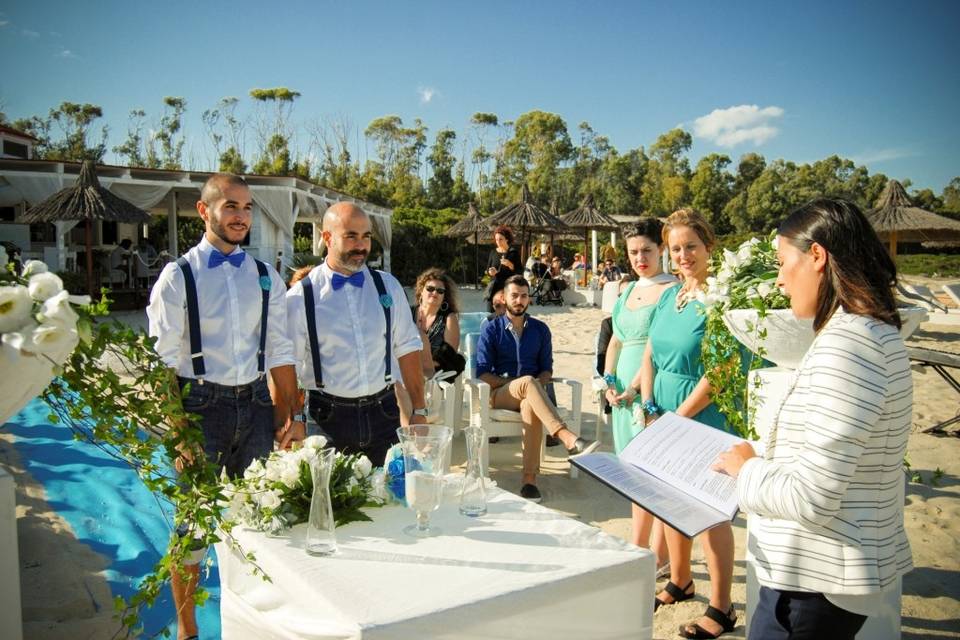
(828, 492)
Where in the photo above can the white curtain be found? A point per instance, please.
(145, 196)
(33, 188)
(277, 205)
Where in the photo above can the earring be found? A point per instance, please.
(444, 306)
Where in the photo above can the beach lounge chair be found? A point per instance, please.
(921, 296)
(953, 292)
(941, 362)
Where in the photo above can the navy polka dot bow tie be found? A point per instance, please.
(339, 280)
(217, 258)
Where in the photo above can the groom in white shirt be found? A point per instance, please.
(356, 341)
(219, 317)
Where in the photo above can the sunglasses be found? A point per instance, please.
(432, 289)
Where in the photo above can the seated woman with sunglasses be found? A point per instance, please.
(436, 315)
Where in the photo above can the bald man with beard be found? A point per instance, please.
(353, 337)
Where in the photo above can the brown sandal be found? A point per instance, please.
(675, 592)
(726, 620)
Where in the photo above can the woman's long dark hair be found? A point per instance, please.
(860, 274)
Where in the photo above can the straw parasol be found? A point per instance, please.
(588, 218)
(526, 216)
(895, 219)
(86, 200)
(473, 224)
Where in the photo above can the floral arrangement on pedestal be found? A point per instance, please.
(745, 279)
(275, 494)
(105, 382)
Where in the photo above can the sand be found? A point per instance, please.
(60, 576)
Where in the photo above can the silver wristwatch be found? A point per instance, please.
(300, 417)
(421, 412)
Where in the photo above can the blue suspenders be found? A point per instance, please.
(310, 309)
(193, 318)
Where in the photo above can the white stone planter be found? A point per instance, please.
(789, 338)
(22, 377)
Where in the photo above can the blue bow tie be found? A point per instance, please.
(217, 258)
(339, 280)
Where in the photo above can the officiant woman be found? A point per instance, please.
(672, 379)
(828, 493)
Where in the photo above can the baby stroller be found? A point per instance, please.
(549, 290)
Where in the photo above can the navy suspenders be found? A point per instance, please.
(193, 317)
(309, 306)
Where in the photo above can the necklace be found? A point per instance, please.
(685, 295)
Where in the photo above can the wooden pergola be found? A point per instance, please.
(895, 220)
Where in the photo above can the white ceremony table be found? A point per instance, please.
(521, 571)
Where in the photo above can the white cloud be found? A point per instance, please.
(427, 94)
(4, 23)
(736, 125)
(881, 155)
(67, 54)
(29, 33)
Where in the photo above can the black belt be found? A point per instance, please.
(239, 389)
(362, 401)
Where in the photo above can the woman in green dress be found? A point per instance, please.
(672, 379)
(631, 320)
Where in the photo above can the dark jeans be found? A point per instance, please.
(366, 425)
(237, 422)
(801, 615)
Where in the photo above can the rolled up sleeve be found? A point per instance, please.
(166, 315)
(279, 345)
(297, 329)
(406, 337)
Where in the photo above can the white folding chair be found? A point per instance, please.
(505, 423)
(953, 292)
(921, 296)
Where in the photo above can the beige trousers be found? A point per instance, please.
(528, 396)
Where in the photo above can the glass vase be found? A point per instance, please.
(473, 493)
(321, 537)
(425, 447)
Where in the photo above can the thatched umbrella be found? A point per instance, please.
(473, 225)
(526, 216)
(588, 218)
(895, 219)
(86, 200)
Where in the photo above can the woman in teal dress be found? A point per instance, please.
(631, 320)
(672, 379)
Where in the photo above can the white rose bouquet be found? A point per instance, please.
(745, 279)
(275, 494)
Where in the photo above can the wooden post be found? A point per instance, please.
(893, 244)
(88, 237)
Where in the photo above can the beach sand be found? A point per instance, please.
(61, 578)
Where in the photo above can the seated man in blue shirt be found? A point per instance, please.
(515, 357)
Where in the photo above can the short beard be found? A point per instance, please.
(221, 233)
(513, 314)
(346, 265)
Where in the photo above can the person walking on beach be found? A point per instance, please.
(827, 494)
(353, 337)
(515, 357)
(219, 317)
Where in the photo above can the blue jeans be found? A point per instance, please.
(366, 425)
(801, 615)
(237, 422)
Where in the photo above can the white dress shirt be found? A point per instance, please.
(229, 304)
(350, 328)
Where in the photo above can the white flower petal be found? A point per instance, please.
(45, 285)
(33, 267)
(15, 307)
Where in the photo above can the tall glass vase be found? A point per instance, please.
(321, 535)
(473, 493)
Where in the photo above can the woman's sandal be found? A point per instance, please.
(726, 620)
(675, 592)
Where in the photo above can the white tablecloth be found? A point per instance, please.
(521, 571)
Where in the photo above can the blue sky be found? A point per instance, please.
(872, 81)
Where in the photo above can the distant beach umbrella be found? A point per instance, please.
(471, 225)
(895, 219)
(526, 216)
(588, 218)
(88, 201)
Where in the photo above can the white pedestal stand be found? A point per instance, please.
(775, 383)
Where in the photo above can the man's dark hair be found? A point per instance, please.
(125, 243)
(518, 280)
(212, 189)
